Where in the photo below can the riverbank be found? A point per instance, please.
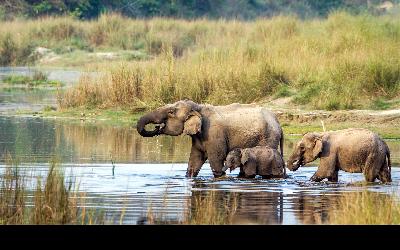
(294, 122)
(342, 62)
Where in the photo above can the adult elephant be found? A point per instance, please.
(215, 130)
(354, 150)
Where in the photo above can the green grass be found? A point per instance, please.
(38, 79)
(298, 129)
(383, 104)
(283, 91)
(105, 116)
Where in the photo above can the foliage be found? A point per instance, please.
(37, 79)
(343, 62)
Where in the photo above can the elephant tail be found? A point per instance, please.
(281, 148)
(281, 143)
(389, 163)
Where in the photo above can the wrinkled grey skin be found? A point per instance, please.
(260, 160)
(352, 150)
(215, 130)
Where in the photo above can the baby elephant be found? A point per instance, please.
(260, 160)
(352, 150)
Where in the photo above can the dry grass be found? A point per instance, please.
(341, 62)
(54, 202)
(366, 208)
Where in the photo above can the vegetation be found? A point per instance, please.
(366, 207)
(343, 62)
(243, 9)
(55, 202)
(113, 117)
(38, 79)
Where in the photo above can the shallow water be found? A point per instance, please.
(149, 173)
(17, 98)
(68, 77)
(126, 175)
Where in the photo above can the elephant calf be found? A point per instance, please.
(259, 160)
(352, 150)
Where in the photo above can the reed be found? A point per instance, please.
(53, 201)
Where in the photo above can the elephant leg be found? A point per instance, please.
(326, 169)
(334, 177)
(196, 160)
(268, 176)
(216, 167)
(316, 177)
(250, 170)
(241, 173)
(216, 156)
(371, 169)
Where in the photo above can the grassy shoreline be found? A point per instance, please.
(342, 62)
(291, 126)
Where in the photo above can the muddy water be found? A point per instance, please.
(126, 175)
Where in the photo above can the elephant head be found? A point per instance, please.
(236, 158)
(172, 119)
(307, 150)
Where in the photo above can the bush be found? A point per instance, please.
(8, 49)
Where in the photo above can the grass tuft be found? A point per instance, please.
(53, 202)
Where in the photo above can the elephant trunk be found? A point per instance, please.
(151, 118)
(295, 161)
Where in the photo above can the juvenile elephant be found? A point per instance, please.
(353, 150)
(215, 130)
(259, 160)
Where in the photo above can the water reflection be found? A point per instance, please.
(312, 209)
(149, 175)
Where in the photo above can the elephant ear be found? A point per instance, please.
(317, 147)
(245, 156)
(193, 123)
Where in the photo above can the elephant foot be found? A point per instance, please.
(191, 173)
(248, 176)
(218, 174)
(240, 175)
(333, 179)
(316, 178)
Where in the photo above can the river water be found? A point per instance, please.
(127, 176)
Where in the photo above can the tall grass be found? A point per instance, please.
(51, 202)
(366, 208)
(342, 62)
